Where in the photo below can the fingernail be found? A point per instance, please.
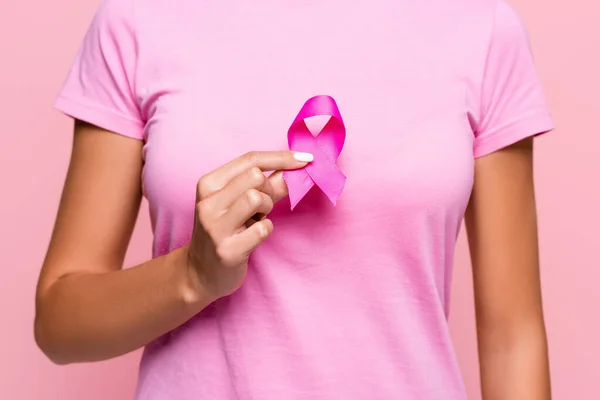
(303, 157)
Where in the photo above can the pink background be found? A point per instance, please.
(38, 40)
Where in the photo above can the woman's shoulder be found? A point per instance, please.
(482, 23)
(494, 15)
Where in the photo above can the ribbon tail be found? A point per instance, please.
(331, 184)
(298, 183)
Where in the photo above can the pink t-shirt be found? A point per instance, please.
(344, 302)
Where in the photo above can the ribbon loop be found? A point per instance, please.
(326, 148)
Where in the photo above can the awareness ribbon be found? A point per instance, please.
(325, 147)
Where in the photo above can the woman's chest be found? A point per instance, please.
(215, 93)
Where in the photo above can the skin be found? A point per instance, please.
(76, 321)
(501, 224)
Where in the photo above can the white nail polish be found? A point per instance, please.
(303, 157)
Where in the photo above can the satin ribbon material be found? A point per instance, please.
(325, 147)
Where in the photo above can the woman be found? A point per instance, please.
(188, 104)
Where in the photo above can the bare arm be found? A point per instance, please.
(87, 308)
(502, 229)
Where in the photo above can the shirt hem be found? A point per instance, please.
(523, 128)
(100, 117)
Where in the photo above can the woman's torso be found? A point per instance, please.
(344, 302)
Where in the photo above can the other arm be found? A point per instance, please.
(502, 228)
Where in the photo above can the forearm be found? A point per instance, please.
(514, 365)
(91, 317)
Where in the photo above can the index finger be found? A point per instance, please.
(264, 160)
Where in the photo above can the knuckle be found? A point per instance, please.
(262, 230)
(254, 198)
(252, 158)
(205, 186)
(285, 156)
(256, 175)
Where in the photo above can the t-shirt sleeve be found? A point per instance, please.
(513, 105)
(100, 87)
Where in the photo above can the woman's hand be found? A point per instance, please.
(76, 320)
(226, 226)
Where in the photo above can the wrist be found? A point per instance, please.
(192, 291)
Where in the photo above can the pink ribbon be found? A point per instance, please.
(326, 148)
